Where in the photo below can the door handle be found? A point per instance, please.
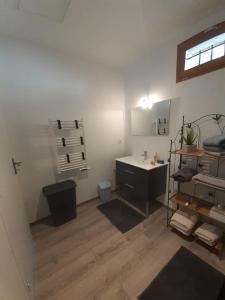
(129, 172)
(16, 165)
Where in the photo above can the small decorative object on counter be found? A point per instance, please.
(152, 162)
(160, 161)
(156, 157)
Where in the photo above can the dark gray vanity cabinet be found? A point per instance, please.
(139, 186)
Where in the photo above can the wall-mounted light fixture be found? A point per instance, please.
(154, 98)
(145, 103)
(148, 101)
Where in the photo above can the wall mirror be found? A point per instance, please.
(151, 122)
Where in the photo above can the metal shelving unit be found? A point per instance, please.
(202, 160)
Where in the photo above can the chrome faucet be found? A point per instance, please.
(145, 155)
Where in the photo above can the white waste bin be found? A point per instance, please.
(104, 191)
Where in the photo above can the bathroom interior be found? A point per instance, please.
(112, 153)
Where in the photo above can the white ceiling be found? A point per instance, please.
(54, 10)
(9, 4)
(113, 32)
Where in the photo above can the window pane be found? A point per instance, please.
(191, 63)
(201, 53)
(205, 56)
(218, 52)
(188, 54)
(217, 40)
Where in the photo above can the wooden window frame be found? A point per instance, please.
(194, 41)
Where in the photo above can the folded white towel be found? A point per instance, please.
(179, 228)
(217, 214)
(210, 180)
(209, 234)
(220, 211)
(183, 221)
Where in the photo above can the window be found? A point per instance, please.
(203, 53)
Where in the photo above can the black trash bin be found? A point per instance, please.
(61, 199)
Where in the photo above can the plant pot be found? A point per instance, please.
(190, 148)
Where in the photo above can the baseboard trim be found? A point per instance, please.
(42, 220)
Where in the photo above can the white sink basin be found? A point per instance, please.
(138, 161)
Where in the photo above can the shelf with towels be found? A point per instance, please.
(209, 172)
(187, 222)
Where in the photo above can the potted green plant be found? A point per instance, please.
(189, 138)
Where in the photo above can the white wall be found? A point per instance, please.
(156, 74)
(38, 84)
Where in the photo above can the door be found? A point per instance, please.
(11, 283)
(12, 212)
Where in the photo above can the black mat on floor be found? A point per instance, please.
(186, 277)
(121, 215)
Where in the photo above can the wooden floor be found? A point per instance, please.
(88, 258)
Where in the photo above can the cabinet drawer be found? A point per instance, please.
(131, 195)
(131, 175)
(126, 168)
(125, 178)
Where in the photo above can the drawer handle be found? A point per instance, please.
(129, 185)
(129, 172)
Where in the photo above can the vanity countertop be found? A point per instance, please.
(138, 161)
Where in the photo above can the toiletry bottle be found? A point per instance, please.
(156, 157)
